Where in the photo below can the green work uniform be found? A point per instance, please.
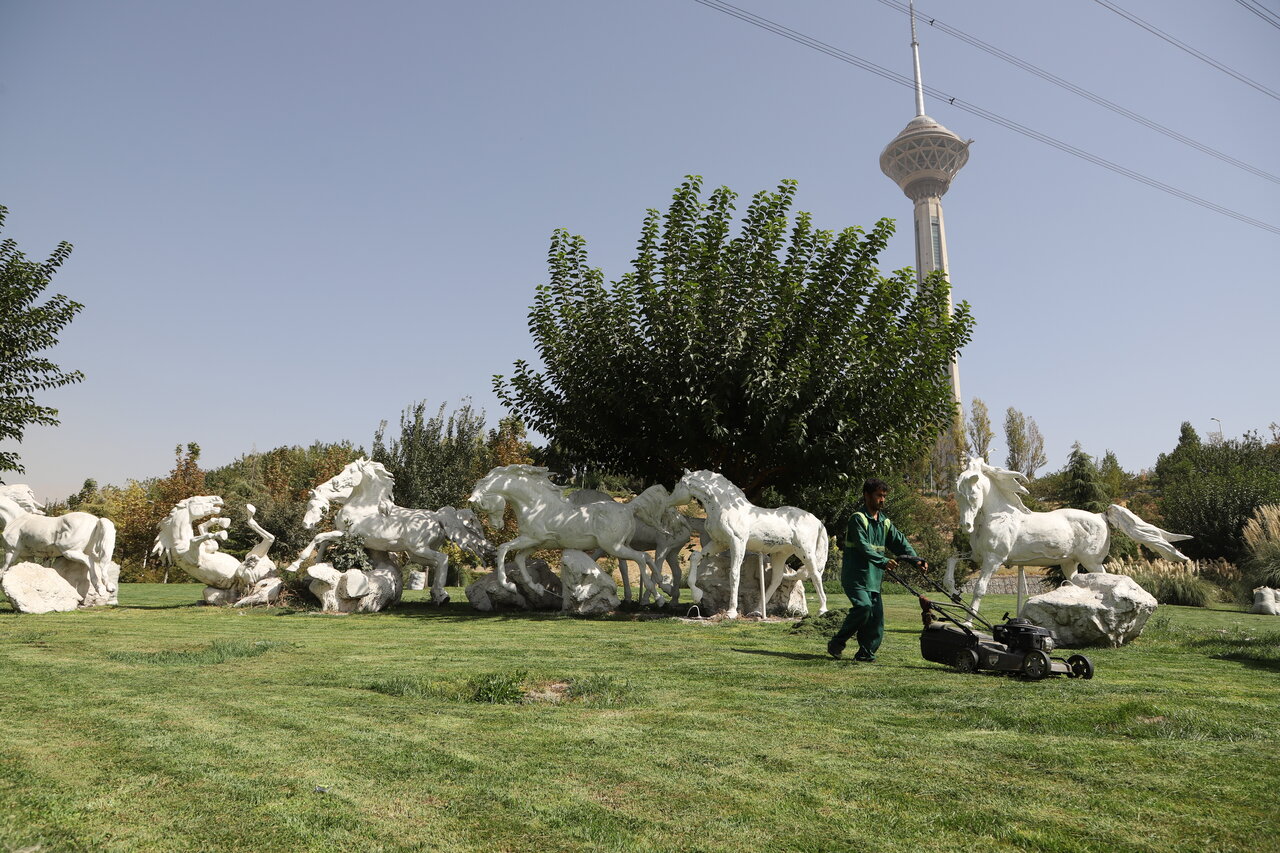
(867, 546)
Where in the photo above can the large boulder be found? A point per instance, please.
(1266, 601)
(485, 593)
(1094, 609)
(586, 590)
(713, 582)
(33, 588)
(416, 580)
(356, 590)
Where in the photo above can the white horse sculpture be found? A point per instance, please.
(549, 520)
(364, 489)
(79, 537)
(666, 542)
(194, 548)
(738, 526)
(1002, 531)
(24, 496)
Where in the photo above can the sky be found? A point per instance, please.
(293, 219)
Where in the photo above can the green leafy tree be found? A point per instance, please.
(436, 460)
(780, 357)
(28, 327)
(1211, 490)
(979, 430)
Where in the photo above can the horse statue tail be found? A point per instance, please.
(102, 542)
(649, 504)
(821, 551)
(1158, 540)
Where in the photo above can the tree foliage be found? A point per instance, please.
(1024, 442)
(780, 357)
(1210, 490)
(437, 460)
(28, 327)
(979, 430)
(1083, 487)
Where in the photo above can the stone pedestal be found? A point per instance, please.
(486, 594)
(416, 580)
(356, 591)
(713, 581)
(1095, 609)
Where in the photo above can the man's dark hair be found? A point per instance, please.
(873, 485)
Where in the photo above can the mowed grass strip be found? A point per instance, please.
(440, 728)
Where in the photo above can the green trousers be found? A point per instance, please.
(866, 619)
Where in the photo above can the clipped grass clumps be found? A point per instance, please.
(219, 651)
(1169, 582)
(496, 688)
(602, 691)
(825, 625)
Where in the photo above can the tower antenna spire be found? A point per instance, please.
(915, 55)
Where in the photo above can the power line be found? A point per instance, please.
(1262, 12)
(974, 109)
(1156, 31)
(1082, 92)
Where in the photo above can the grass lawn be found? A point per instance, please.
(160, 725)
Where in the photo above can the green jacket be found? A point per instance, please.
(867, 546)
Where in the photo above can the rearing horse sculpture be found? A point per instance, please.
(1002, 531)
(364, 489)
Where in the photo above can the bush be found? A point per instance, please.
(1169, 582)
(1262, 547)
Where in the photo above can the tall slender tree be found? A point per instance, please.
(979, 430)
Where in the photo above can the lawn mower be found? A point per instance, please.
(1015, 646)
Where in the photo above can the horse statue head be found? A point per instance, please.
(24, 496)
(976, 484)
(708, 487)
(525, 483)
(176, 529)
(362, 473)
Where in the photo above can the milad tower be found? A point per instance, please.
(922, 160)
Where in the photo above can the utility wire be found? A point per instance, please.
(974, 109)
(1082, 92)
(1262, 12)
(1188, 48)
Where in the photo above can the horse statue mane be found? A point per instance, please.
(1010, 483)
(717, 485)
(538, 476)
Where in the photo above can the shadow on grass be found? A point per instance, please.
(787, 655)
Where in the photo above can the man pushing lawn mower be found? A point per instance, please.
(870, 540)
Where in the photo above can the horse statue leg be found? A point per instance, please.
(319, 540)
(625, 571)
(441, 560)
(989, 566)
(737, 551)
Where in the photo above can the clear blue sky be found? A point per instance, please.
(292, 219)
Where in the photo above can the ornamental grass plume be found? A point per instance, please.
(1168, 581)
(1262, 546)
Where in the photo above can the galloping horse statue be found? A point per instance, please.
(1002, 531)
(738, 526)
(79, 537)
(364, 489)
(549, 520)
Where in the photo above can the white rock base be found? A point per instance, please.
(713, 581)
(1266, 601)
(1095, 609)
(586, 590)
(33, 588)
(356, 591)
(486, 594)
(416, 580)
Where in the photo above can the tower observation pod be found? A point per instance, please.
(922, 160)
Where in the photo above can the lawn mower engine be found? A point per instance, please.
(1015, 646)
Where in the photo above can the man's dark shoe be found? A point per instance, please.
(834, 651)
(864, 656)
